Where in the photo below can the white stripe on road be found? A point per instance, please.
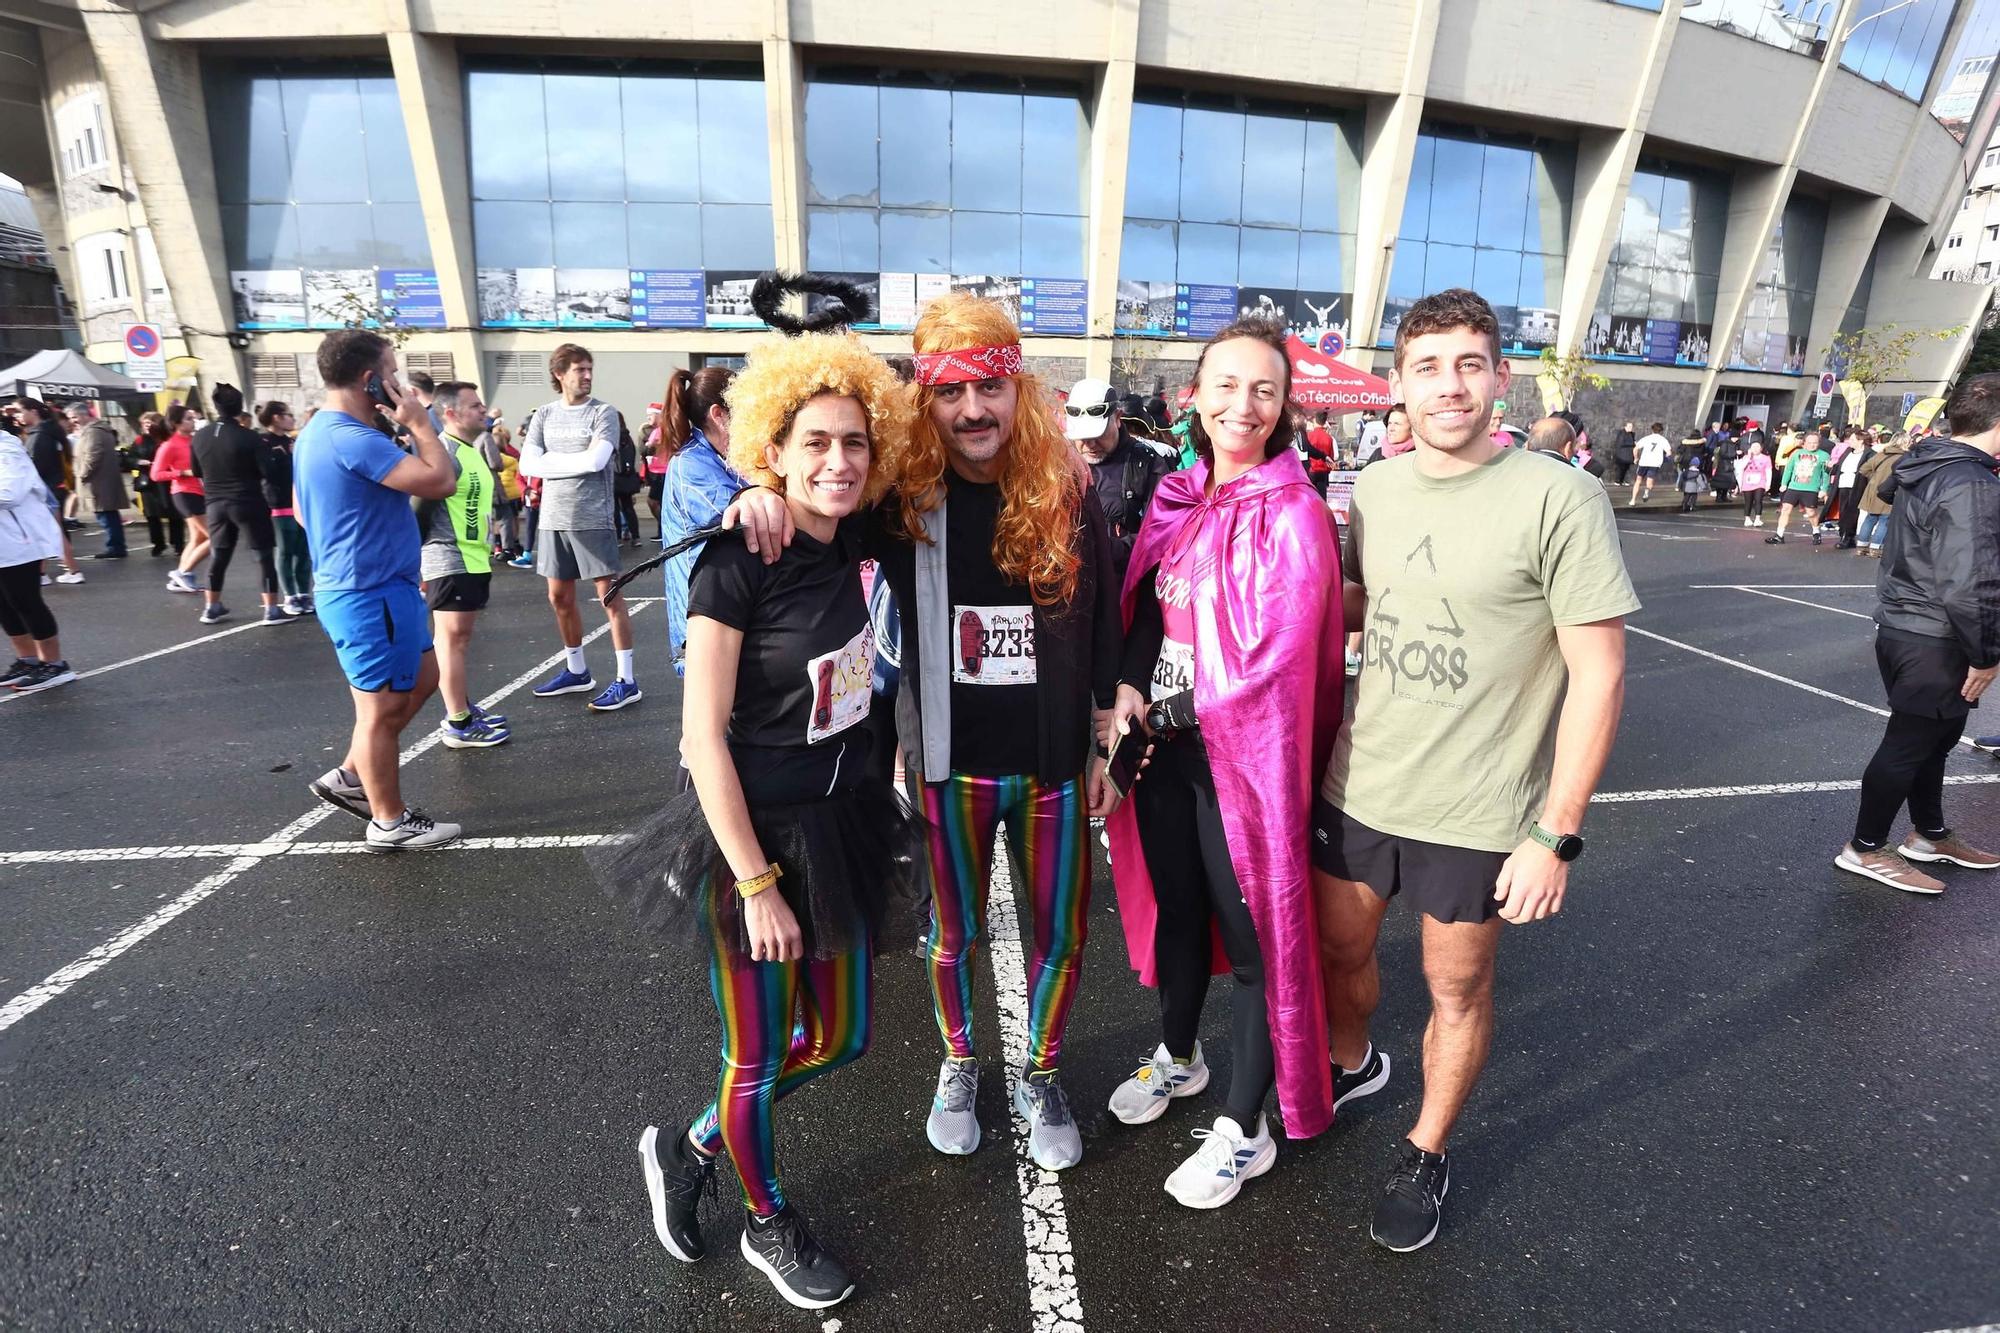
(1053, 1298)
(1795, 587)
(1798, 601)
(63, 978)
(278, 847)
(1768, 675)
(1767, 789)
(147, 657)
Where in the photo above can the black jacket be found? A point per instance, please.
(48, 446)
(1125, 482)
(1941, 558)
(1622, 446)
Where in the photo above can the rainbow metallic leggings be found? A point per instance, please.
(783, 1025)
(1050, 837)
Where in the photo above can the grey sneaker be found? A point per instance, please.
(954, 1124)
(1142, 1098)
(1053, 1140)
(414, 832)
(334, 788)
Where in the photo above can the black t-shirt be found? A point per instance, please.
(229, 460)
(808, 660)
(992, 638)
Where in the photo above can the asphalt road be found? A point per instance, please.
(1732, 1087)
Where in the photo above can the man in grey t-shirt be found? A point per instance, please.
(571, 445)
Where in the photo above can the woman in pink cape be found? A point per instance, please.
(1233, 667)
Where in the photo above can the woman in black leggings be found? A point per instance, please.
(28, 535)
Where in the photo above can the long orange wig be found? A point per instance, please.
(1036, 540)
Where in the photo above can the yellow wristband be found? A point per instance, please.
(756, 884)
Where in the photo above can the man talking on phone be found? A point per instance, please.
(351, 482)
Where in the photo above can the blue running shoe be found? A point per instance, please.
(496, 719)
(564, 682)
(618, 694)
(474, 733)
(525, 560)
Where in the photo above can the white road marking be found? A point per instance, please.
(147, 657)
(1664, 536)
(1794, 587)
(1768, 675)
(1768, 789)
(1053, 1298)
(63, 978)
(281, 847)
(1800, 601)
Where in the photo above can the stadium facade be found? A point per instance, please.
(1697, 194)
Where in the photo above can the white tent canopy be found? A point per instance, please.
(60, 374)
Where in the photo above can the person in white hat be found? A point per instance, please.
(1124, 469)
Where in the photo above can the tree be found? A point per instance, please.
(1564, 376)
(359, 310)
(1985, 356)
(1875, 356)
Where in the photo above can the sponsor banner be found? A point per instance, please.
(666, 298)
(409, 298)
(517, 298)
(269, 298)
(1055, 305)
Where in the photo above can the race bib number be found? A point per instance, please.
(1174, 671)
(993, 645)
(840, 682)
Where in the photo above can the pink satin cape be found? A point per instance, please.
(1269, 653)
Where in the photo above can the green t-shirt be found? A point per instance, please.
(455, 527)
(1807, 471)
(1467, 578)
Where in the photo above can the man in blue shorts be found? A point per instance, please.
(353, 482)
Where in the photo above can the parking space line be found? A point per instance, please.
(1799, 601)
(147, 657)
(1768, 675)
(63, 978)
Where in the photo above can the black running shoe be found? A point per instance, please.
(675, 1179)
(783, 1250)
(1775, 539)
(1372, 1077)
(1407, 1216)
(1816, 539)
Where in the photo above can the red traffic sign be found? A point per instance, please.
(1331, 343)
(142, 340)
(1827, 384)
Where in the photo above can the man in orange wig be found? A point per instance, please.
(1001, 564)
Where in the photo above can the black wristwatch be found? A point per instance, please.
(1566, 846)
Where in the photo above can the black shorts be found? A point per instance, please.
(656, 485)
(1922, 675)
(1801, 499)
(458, 592)
(1444, 883)
(189, 505)
(247, 520)
(1649, 474)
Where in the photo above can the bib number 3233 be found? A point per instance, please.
(993, 645)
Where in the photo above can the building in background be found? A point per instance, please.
(33, 315)
(1698, 194)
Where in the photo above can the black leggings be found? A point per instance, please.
(627, 516)
(1753, 503)
(1908, 766)
(226, 520)
(1194, 884)
(22, 610)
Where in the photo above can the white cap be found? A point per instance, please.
(1081, 423)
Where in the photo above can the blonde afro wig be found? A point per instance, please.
(784, 374)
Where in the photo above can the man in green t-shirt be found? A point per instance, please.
(458, 566)
(1803, 485)
(1491, 594)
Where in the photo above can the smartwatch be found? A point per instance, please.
(1566, 846)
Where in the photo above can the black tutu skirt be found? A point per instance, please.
(855, 874)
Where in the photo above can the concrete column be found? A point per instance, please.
(431, 89)
(785, 112)
(1388, 149)
(162, 123)
(1852, 225)
(1110, 154)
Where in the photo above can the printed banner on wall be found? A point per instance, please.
(990, 287)
(728, 301)
(409, 297)
(1693, 347)
(1145, 308)
(1055, 305)
(517, 298)
(593, 298)
(666, 298)
(269, 298)
(335, 298)
(1526, 330)
(339, 296)
(1202, 311)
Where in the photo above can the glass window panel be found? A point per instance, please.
(586, 143)
(400, 238)
(1406, 274)
(1503, 197)
(1875, 64)
(1051, 247)
(1147, 253)
(662, 153)
(1639, 229)
(1052, 155)
(1274, 167)
(737, 236)
(1211, 170)
(509, 135)
(915, 242)
(735, 145)
(323, 135)
(1207, 253)
(1664, 302)
(986, 154)
(1333, 177)
(916, 149)
(391, 177)
(840, 144)
(1268, 258)
(1496, 275)
(1903, 43)
(1153, 178)
(1455, 173)
(1705, 288)
(985, 242)
(843, 240)
(1631, 290)
(1324, 258)
(1857, 47)
(589, 235)
(1928, 46)
(247, 122)
(509, 234)
(1541, 281)
(1448, 266)
(261, 236)
(1551, 186)
(1676, 220)
(664, 236)
(1750, 343)
(1417, 203)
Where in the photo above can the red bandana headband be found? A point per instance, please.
(968, 364)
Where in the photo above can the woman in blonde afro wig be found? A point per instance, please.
(784, 374)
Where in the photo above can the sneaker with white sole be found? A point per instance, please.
(336, 790)
(70, 576)
(1142, 1098)
(953, 1126)
(783, 1250)
(180, 582)
(1917, 847)
(414, 832)
(474, 733)
(1227, 1157)
(44, 676)
(23, 668)
(675, 1179)
(564, 682)
(1885, 867)
(618, 694)
(1372, 1077)
(278, 615)
(1053, 1139)
(214, 613)
(1412, 1202)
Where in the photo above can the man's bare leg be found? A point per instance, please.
(1350, 919)
(1458, 966)
(372, 754)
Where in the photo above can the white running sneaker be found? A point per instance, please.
(414, 832)
(334, 788)
(70, 576)
(1142, 1098)
(1227, 1157)
(1054, 1142)
(954, 1122)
